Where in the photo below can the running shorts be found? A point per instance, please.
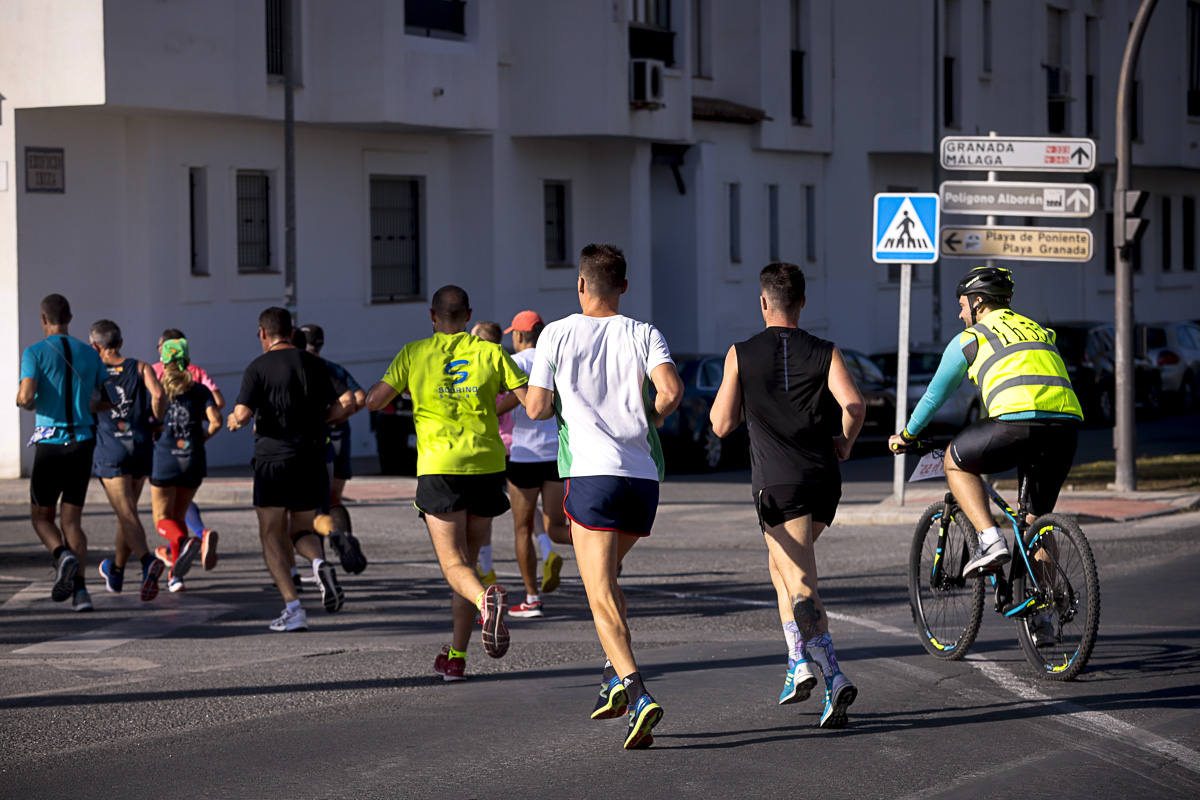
(136, 464)
(339, 452)
(532, 474)
(297, 484)
(478, 495)
(1042, 452)
(612, 503)
(788, 501)
(61, 469)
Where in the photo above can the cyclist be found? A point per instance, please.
(1031, 414)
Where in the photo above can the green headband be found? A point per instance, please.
(175, 351)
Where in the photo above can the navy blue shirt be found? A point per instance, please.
(179, 448)
(125, 428)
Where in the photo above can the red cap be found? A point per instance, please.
(524, 322)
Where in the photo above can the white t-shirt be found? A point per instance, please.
(532, 440)
(599, 368)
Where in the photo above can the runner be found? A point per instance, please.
(533, 474)
(334, 521)
(62, 380)
(124, 454)
(591, 369)
(291, 398)
(180, 461)
(195, 523)
(804, 412)
(454, 379)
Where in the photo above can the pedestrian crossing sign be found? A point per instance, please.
(905, 228)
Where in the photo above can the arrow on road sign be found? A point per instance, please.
(951, 242)
(1080, 155)
(1079, 200)
(1017, 243)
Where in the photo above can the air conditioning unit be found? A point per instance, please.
(646, 83)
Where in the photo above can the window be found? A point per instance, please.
(198, 219)
(1193, 34)
(772, 222)
(650, 34)
(556, 200)
(395, 239)
(798, 77)
(275, 36)
(254, 221)
(810, 223)
(950, 65)
(735, 223)
(701, 42)
(1091, 57)
(985, 50)
(441, 19)
(1188, 224)
(1058, 77)
(1165, 228)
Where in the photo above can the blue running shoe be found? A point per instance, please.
(150, 576)
(114, 576)
(643, 716)
(612, 702)
(839, 694)
(798, 684)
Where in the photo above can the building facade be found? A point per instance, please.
(483, 143)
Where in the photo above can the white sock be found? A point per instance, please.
(533, 598)
(791, 633)
(294, 605)
(485, 558)
(317, 562)
(989, 535)
(545, 546)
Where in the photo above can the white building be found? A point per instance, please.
(483, 143)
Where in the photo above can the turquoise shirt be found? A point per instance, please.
(46, 363)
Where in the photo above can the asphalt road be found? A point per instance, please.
(192, 696)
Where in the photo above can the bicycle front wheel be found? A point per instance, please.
(1059, 633)
(947, 606)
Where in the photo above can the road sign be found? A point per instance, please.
(1018, 153)
(1016, 198)
(904, 229)
(1017, 243)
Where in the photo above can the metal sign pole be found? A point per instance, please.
(902, 377)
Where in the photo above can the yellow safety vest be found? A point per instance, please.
(1016, 366)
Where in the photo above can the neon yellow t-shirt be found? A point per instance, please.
(454, 380)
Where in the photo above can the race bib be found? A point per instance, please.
(932, 465)
(40, 434)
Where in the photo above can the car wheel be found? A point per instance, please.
(710, 448)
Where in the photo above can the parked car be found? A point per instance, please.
(1071, 339)
(395, 436)
(1175, 348)
(1147, 379)
(960, 409)
(879, 397)
(689, 443)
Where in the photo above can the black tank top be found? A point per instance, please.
(790, 413)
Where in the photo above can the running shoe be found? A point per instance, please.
(550, 569)
(175, 584)
(208, 549)
(526, 609)
(191, 549)
(290, 621)
(1043, 630)
(993, 556)
(486, 578)
(643, 716)
(150, 576)
(332, 595)
(798, 683)
(64, 577)
(349, 551)
(612, 702)
(495, 633)
(163, 554)
(114, 576)
(839, 694)
(81, 600)
(451, 669)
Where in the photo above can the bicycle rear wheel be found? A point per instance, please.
(1066, 608)
(946, 606)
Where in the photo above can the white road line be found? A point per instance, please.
(30, 594)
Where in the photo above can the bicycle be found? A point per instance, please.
(1050, 590)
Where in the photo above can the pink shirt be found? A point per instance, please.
(201, 377)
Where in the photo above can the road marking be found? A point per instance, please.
(32, 592)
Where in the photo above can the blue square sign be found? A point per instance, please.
(905, 228)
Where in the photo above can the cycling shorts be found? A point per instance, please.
(1041, 451)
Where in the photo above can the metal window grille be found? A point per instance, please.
(254, 221)
(275, 37)
(554, 197)
(395, 239)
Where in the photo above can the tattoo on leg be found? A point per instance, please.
(807, 615)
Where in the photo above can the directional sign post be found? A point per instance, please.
(904, 230)
(1017, 243)
(1017, 198)
(1018, 154)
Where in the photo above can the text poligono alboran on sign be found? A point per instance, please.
(1018, 198)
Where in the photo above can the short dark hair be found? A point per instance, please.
(451, 303)
(315, 335)
(489, 331)
(172, 333)
(533, 334)
(276, 321)
(299, 339)
(783, 286)
(57, 309)
(106, 334)
(603, 268)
